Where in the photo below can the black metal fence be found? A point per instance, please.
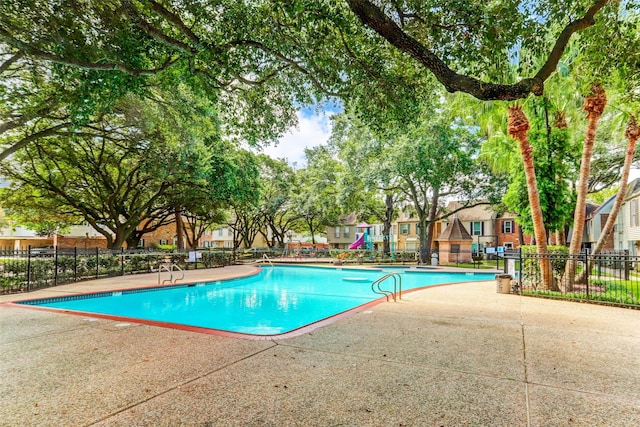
(323, 254)
(30, 269)
(37, 268)
(610, 278)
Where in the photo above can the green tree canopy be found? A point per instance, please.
(261, 59)
(277, 212)
(125, 173)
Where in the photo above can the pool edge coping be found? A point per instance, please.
(24, 304)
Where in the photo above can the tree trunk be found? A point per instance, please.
(632, 134)
(521, 236)
(118, 242)
(179, 229)
(518, 127)
(134, 240)
(388, 218)
(426, 236)
(594, 106)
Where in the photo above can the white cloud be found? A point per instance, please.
(314, 128)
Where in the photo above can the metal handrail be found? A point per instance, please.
(180, 270)
(169, 269)
(265, 256)
(397, 286)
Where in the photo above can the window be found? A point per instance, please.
(220, 232)
(346, 232)
(337, 232)
(507, 227)
(141, 243)
(508, 245)
(404, 228)
(476, 228)
(164, 242)
(206, 244)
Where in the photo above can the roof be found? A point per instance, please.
(455, 231)
(349, 219)
(475, 213)
(589, 209)
(633, 189)
(603, 208)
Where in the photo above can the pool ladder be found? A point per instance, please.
(170, 269)
(266, 257)
(397, 286)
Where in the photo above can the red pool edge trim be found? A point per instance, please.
(219, 332)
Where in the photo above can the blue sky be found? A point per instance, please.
(314, 128)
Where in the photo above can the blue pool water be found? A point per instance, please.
(279, 299)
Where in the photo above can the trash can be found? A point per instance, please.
(503, 283)
(434, 258)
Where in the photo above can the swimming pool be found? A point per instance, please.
(277, 300)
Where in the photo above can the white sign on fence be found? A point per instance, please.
(194, 255)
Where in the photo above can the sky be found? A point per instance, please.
(314, 128)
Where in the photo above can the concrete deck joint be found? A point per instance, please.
(181, 384)
(448, 355)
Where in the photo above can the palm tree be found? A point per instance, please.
(594, 106)
(517, 127)
(632, 134)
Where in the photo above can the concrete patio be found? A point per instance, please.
(456, 355)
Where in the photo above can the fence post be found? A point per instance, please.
(122, 261)
(29, 268)
(75, 263)
(55, 265)
(520, 269)
(97, 262)
(626, 264)
(587, 272)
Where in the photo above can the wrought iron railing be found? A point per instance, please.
(610, 278)
(30, 269)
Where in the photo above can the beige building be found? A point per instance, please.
(80, 236)
(342, 235)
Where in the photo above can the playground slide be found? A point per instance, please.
(359, 241)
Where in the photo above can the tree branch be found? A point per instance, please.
(6, 64)
(373, 17)
(284, 58)
(28, 49)
(175, 20)
(563, 39)
(145, 26)
(26, 140)
(45, 108)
